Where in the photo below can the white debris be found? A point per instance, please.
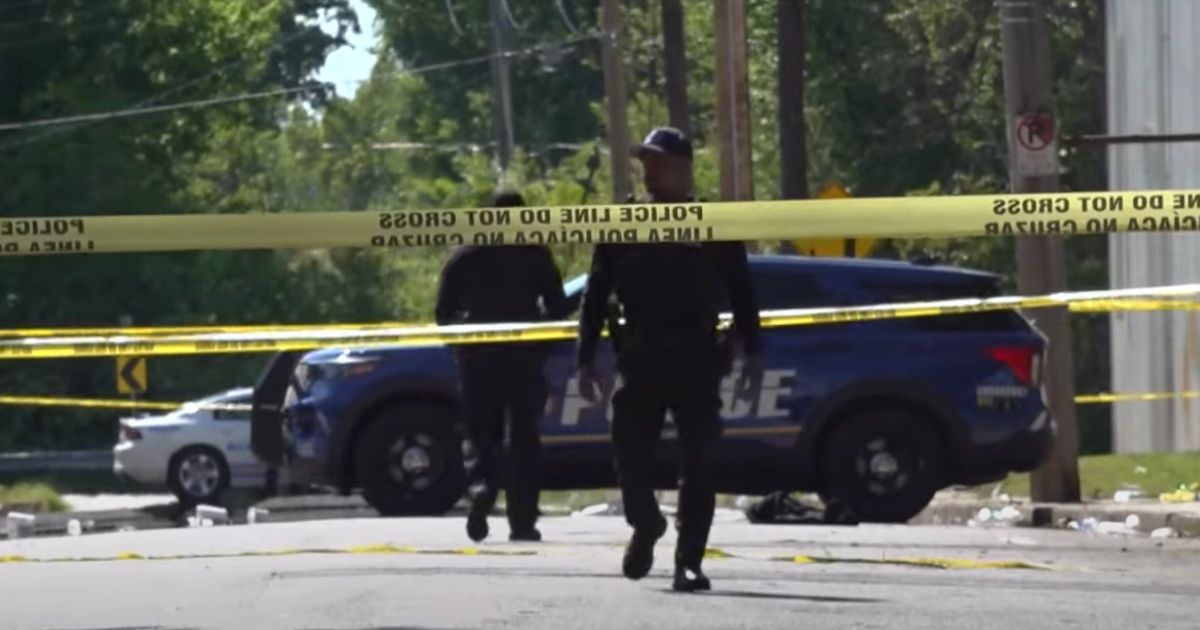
(254, 514)
(212, 514)
(1163, 532)
(1111, 528)
(599, 509)
(103, 502)
(19, 524)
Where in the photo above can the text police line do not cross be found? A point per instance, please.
(549, 225)
(860, 217)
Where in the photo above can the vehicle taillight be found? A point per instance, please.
(129, 434)
(1020, 360)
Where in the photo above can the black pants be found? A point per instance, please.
(686, 382)
(500, 384)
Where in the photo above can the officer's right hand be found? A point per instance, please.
(589, 384)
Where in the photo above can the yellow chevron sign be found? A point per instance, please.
(833, 247)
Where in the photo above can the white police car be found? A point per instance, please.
(196, 450)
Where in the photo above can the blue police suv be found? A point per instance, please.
(876, 414)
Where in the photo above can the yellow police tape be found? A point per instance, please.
(1090, 306)
(427, 335)
(149, 405)
(365, 549)
(1061, 214)
(190, 330)
(1093, 399)
(389, 549)
(934, 563)
(114, 403)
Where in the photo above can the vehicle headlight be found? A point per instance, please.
(304, 376)
(349, 367)
(343, 367)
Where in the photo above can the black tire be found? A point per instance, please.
(198, 474)
(884, 464)
(408, 460)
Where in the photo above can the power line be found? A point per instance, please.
(19, 5)
(516, 52)
(92, 10)
(453, 18)
(141, 110)
(511, 18)
(464, 146)
(562, 12)
(160, 96)
(125, 113)
(83, 28)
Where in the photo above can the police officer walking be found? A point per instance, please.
(492, 284)
(671, 357)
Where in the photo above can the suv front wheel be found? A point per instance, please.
(408, 460)
(884, 464)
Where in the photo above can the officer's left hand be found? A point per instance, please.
(750, 380)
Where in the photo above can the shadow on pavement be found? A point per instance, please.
(437, 571)
(787, 596)
(137, 628)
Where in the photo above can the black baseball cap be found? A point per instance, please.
(668, 140)
(507, 199)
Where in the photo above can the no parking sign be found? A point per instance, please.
(1035, 144)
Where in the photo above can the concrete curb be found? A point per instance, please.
(1184, 518)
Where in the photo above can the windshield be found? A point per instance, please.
(230, 397)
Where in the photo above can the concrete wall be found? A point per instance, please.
(1154, 87)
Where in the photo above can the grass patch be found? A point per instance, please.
(78, 482)
(37, 497)
(1102, 475)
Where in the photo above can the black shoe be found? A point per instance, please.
(477, 526)
(690, 580)
(528, 535)
(639, 553)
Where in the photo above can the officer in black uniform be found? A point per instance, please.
(491, 284)
(671, 357)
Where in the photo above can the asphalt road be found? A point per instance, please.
(412, 574)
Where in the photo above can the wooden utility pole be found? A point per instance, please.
(502, 116)
(675, 58)
(793, 137)
(733, 100)
(1041, 267)
(614, 89)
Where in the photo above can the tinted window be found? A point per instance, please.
(229, 414)
(933, 291)
(778, 290)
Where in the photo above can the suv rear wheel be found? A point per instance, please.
(408, 460)
(885, 464)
